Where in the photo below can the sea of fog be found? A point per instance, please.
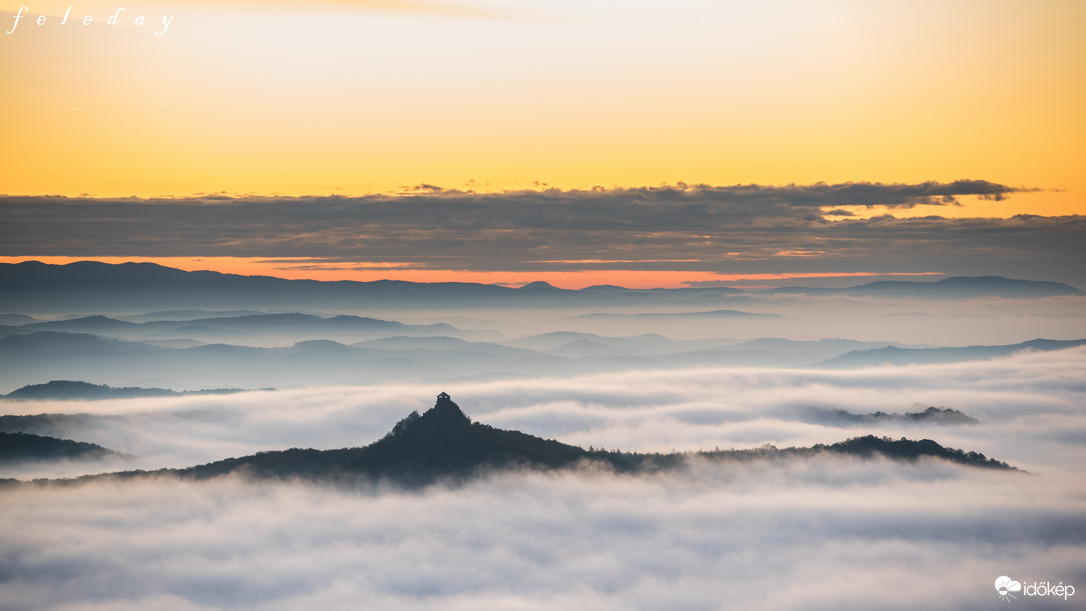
(827, 533)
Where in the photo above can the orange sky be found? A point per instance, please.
(363, 97)
(354, 97)
(369, 271)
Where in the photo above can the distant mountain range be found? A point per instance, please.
(949, 288)
(276, 328)
(677, 315)
(16, 319)
(30, 357)
(931, 415)
(142, 287)
(445, 445)
(917, 356)
(80, 356)
(70, 390)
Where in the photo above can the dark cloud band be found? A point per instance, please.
(742, 228)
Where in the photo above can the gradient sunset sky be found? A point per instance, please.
(396, 98)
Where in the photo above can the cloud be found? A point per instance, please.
(742, 228)
(771, 537)
(829, 532)
(1027, 405)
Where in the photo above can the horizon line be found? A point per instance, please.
(321, 269)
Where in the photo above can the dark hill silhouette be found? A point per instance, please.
(24, 446)
(51, 425)
(931, 415)
(441, 443)
(445, 445)
(905, 449)
(69, 390)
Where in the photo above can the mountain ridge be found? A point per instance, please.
(444, 445)
(78, 390)
(19, 446)
(52, 355)
(34, 286)
(954, 286)
(892, 355)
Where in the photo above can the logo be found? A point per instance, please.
(1006, 587)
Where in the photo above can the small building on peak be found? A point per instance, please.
(445, 411)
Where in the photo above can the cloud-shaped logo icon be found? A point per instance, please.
(1004, 586)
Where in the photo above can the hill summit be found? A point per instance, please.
(442, 443)
(445, 413)
(445, 442)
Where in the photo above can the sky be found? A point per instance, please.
(669, 143)
(500, 99)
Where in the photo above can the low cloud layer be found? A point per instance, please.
(737, 229)
(1028, 406)
(773, 537)
(829, 532)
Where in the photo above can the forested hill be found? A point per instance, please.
(444, 444)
